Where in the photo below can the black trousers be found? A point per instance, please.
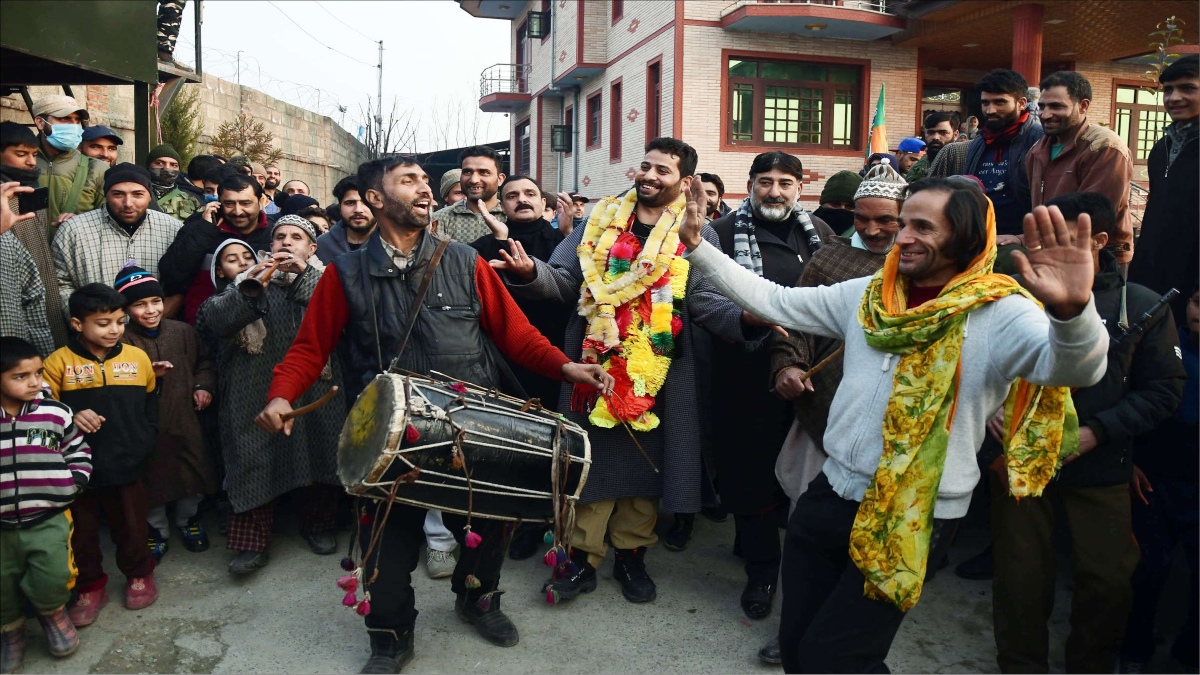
(758, 541)
(393, 603)
(826, 623)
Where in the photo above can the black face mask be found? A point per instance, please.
(839, 220)
(26, 177)
(164, 176)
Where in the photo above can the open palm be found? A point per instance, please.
(693, 222)
(1059, 269)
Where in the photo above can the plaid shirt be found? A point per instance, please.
(22, 296)
(462, 224)
(92, 248)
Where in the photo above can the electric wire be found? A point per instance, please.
(339, 20)
(314, 38)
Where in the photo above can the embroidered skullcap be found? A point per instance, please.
(296, 221)
(882, 181)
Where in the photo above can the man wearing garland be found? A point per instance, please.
(636, 303)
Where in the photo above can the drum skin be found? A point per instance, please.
(508, 453)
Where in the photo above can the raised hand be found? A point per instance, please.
(1059, 269)
(518, 264)
(693, 221)
(566, 217)
(499, 229)
(7, 217)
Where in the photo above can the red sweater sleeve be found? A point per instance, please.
(319, 333)
(506, 324)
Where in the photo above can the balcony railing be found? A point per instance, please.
(877, 6)
(504, 78)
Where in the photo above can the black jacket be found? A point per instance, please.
(187, 257)
(1141, 387)
(1017, 185)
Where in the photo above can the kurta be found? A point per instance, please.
(180, 465)
(259, 466)
(618, 470)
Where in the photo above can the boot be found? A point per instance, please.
(12, 646)
(390, 651)
(680, 534)
(582, 580)
(60, 633)
(630, 570)
(488, 619)
(771, 653)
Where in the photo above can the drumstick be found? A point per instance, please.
(631, 436)
(305, 409)
(824, 362)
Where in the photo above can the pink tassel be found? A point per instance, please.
(348, 583)
(473, 539)
(459, 387)
(411, 434)
(350, 600)
(364, 608)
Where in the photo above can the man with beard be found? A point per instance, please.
(773, 237)
(91, 247)
(361, 302)
(480, 180)
(186, 265)
(997, 155)
(909, 152)
(837, 201)
(356, 224)
(939, 130)
(76, 181)
(883, 505)
(163, 163)
(638, 325)
(272, 182)
(1076, 155)
(714, 192)
(101, 142)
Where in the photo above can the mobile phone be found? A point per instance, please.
(28, 202)
(210, 198)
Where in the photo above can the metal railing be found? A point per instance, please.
(877, 6)
(504, 78)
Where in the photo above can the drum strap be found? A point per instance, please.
(419, 300)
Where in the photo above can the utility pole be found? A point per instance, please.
(239, 67)
(379, 103)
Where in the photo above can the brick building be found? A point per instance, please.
(735, 78)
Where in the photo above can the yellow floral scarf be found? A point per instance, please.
(889, 541)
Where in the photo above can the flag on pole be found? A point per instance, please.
(877, 141)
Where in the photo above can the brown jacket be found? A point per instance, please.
(1093, 159)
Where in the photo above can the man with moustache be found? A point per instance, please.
(648, 350)
(361, 302)
(997, 155)
(186, 265)
(939, 131)
(355, 226)
(76, 181)
(101, 142)
(480, 181)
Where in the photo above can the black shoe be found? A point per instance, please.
(978, 568)
(771, 653)
(717, 514)
(195, 539)
(247, 562)
(526, 540)
(757, 599)
(630, 570)
(583, 580)
(159, 544)
(488, 619)
(680, 534)
(389, 651)
(321, 543)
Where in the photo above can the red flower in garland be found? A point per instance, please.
(625, 404)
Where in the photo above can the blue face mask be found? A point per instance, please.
(65, 136)
(210, 198)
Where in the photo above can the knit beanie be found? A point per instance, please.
(296, 203)
(449, 180)
(840, 187)
(882, 181)
(136, 283)
(296, 221)
(164, 150)
(126, 172)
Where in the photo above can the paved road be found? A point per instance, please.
(288, 618)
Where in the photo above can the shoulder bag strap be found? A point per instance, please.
(82, 169)
(419, 300)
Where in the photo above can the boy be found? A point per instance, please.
(181, 469)
(112, 388)
(44, 462)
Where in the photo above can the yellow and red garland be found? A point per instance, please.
(632, 298)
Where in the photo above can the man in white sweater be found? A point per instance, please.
(934, 343)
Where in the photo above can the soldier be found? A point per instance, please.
(170, 13)
(163, 163)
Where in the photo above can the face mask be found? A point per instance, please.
(65, 136)
(164, 176)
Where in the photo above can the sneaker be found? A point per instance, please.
(195, 539)
(581, 579)
(321, 543)
(140, 592)
(159, 545)
(440, 564)
(12, 646)
(246, 562)
(87, 607)
(680, 534)
(60, 633)
(630, 571)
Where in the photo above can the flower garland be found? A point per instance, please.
(632, 298)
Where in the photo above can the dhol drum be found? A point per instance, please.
(461, 449)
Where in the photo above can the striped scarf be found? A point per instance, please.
(745, 244)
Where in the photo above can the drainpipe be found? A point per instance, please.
(575, 142)
(554, 87)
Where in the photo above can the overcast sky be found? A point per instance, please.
(433, 54)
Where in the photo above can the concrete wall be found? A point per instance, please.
(315, 149)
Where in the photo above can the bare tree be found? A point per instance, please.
(399, 134)
(457, 122)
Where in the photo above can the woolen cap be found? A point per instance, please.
(164, 150)
(449, 180)
(101, 131)
(136, 283)
(126, 172)
(883, 181)
(58, 105)
(294, 204)
(840, 187)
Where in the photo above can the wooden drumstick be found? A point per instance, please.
(824, 362)
(305, 409)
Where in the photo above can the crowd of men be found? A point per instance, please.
(978, 303)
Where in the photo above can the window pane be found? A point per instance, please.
(1149, 97)
(1150, 125)
(1125, 94)
(782, 71)
(1122, 125)
(843, 74)
(742, 124)
(843, 125)
(743, 68)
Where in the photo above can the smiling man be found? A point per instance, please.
(101, 142)
(883, 504)
(480, 181)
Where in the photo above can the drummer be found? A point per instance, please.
(362, 302)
